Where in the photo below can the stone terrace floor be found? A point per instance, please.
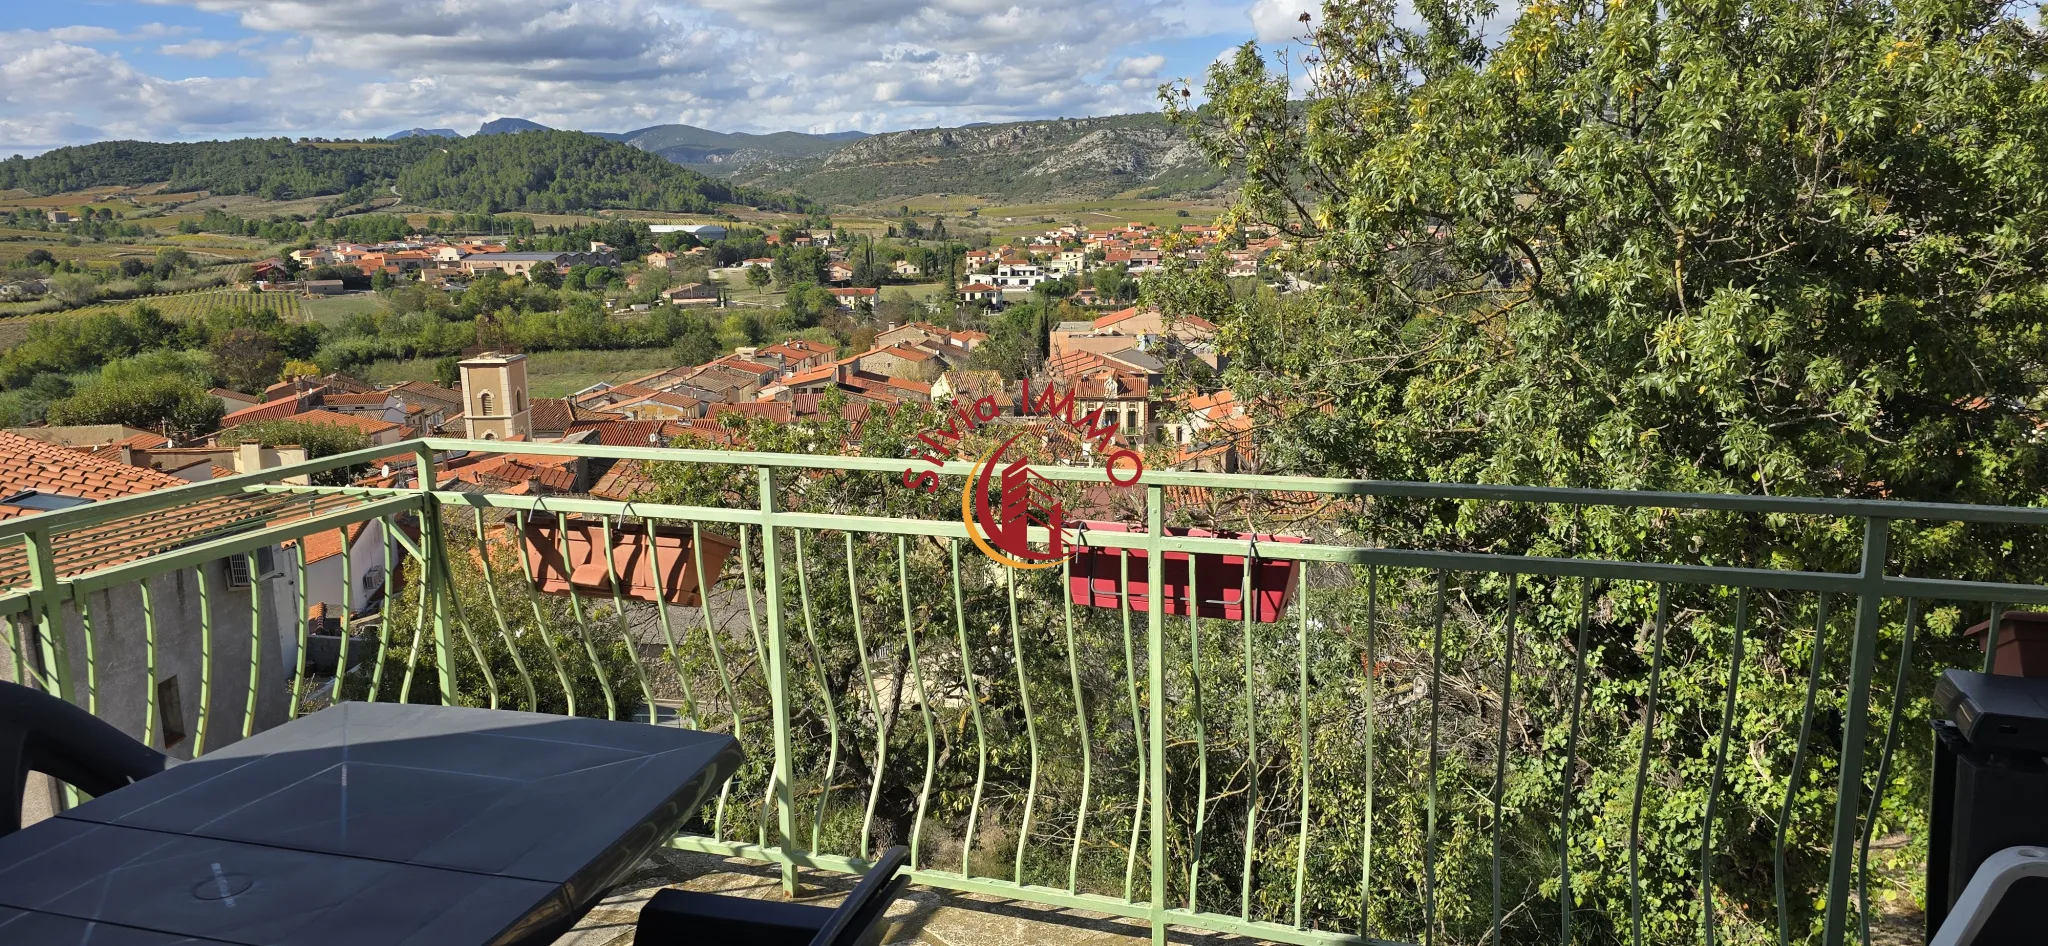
(921, 917)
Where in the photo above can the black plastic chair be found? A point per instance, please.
(41, 733)
(682, 917)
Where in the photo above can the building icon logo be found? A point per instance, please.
(1024, 500)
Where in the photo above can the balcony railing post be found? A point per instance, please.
(46, 599)
(1155, 672)
(1849, 786)
(434, 576)
(778, 680)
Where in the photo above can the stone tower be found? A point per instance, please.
(494, 401)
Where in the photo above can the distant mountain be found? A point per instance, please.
(565, 172)
(424, 133)
(1083, 157)
(537, 172)
(716, 152)
(506, 126)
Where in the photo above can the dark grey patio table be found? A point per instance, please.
(365, 824)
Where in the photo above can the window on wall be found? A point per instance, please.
(518, 401)
(484, 404)
(490, 436)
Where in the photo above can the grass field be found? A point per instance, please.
(548, 373)
(331, 310)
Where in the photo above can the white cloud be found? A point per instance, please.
(85, 34)
(1140, 67)
(103, 96)
(749, 65)
(1278, 21)
(107, 34)
(204, 48)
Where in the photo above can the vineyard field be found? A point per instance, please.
(184, 305)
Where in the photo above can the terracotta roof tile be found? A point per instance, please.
(557, 413)
(32, 464)
(271, 410)
(370, 426)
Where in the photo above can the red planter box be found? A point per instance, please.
(1097, 577)
(585, 570)
(2022, 644)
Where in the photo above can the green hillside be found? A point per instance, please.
(542, 171)
(564, 171)
(274, 168)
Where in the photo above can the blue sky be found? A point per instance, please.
(77, 71)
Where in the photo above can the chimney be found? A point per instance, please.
(288, 456)
(248, 457)
(745, 352)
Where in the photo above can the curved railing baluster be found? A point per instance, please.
(611, 574)
(860, 642)
(1720, 766)
(974, 707)
(803, 585)
(1500, 746)
(1081, 717)
(924, 703)
(1884, 764)
(540, 623)
(483, 555)
(1635, 813)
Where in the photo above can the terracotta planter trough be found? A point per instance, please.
(632, 561)
(1097, 576)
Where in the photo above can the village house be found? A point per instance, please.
(849, 297)
(695, 293)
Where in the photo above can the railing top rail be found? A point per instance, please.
(61, 520)
(107, 510)
(1730, 502)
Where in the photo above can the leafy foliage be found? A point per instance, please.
(320, 440)
(541, 171)
(274, 168)
(168, 403)
(1777, 246)
(560, 171)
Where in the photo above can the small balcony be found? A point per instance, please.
(1456, 714)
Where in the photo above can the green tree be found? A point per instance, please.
(758, 277)
(696, 343)
(320, 440)
(74, 289)
(1577, 270)
(177, 406)
(1769, 246)
(247, 359)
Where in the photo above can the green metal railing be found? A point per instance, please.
(1433, 745)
